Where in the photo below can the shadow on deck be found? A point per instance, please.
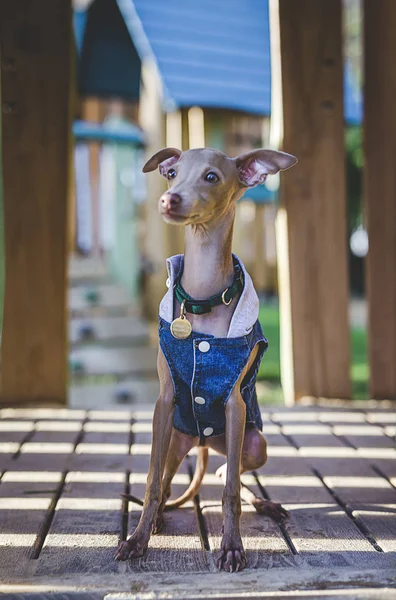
(62, 515)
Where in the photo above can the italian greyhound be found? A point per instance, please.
(210, 349)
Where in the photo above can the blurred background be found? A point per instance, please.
(150, 74)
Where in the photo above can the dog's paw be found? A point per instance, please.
(131, 548)
(270, 509)
(158, 524)
(232, 556)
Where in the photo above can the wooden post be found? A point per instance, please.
(152, 121)
(91, 111)
(311, 224)
(380, 193)
(174, 241)
(35, 54)
(260, 273)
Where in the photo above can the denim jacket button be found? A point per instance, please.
(167, 283)
(208, 431)
(204, 346)
(199, 400)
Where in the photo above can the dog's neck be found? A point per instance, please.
(208, 265)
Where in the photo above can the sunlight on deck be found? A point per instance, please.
(91, 448)
(31, 476)
(16, 426)
(94, 477)
(103, 427)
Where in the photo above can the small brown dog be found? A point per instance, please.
(211, 344)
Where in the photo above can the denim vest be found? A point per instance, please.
(205, 369)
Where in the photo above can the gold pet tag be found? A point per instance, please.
(181, 327)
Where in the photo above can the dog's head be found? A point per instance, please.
(204, 183)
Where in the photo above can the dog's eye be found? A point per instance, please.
(211, 177)
(171, 174)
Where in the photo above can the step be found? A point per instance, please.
(105, 329)
(115, 395)
(115, 361)
(108, 296)
(86, 268)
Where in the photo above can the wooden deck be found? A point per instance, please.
(62, 515)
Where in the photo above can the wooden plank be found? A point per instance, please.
(366, 487)
(86, 527)
(316, 523)
(102, 451)
(357, 487)
(14, 436)
(318, 526)
(341, 416)
(41, 432)
(364, 436)
(387, 467)
(178, 547)
(36, 55)
(50, 456)
(55, 433)
(27, 414)
(311, 222)
(312, 436)
(321, 532)
(110, 415)
(380, 519)
(372, 500)
(380, 194)
(24, 500)
(383, 417)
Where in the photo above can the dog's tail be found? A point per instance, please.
(193, 488)
(191, 491)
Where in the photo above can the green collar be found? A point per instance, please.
(201, 307)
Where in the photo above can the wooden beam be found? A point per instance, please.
(312, 216)
(380, 192)
(36, 56)
(174, 241)
(260, 271)
(92, 110)
(196, 128)
(152, 121)
(72, 200)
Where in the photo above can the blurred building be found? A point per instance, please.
(190, 75)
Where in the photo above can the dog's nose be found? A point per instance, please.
(170, 200)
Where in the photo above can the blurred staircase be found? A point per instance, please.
(112, 360)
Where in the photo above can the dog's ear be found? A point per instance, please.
(254, 166)
(163, 159)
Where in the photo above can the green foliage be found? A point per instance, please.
(354, 164)
(270, 366)
(359, 369)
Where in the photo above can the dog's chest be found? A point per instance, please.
(203, 366)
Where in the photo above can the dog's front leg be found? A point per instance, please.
(232, 556)
(137, 543)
